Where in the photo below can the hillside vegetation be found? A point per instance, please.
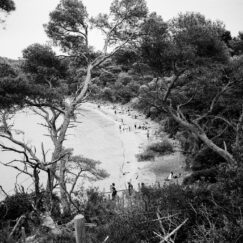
(185, 73)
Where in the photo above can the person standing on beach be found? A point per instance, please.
(145, 195)
(147, 134)
(113, 191)
(130, 188)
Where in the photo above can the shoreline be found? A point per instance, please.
(98, 136)
(134, 140)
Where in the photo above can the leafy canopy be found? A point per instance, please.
(68, 26)
(7, 5)
(46, 74)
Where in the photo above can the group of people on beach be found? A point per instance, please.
(142, 188)
(123, 127)
(114, 191)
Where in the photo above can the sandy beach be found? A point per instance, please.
(132, 129)
(108, 133)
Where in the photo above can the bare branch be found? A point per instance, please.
(214, 101)
(5, 193)
(224, 120)
(172, 84)
(75, 181)
(168, 236)
(17, 168)
(199, 132)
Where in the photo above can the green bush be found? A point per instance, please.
(205, 159)
(147, 155)
(16, 205)
(156, 149)
(213, 212)
(107, 94)
(161, 148)
(208, 175)
(97, 209)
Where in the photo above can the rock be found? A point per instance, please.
(47, 221)
(30, 239)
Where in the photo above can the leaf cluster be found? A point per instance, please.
(68, 26)
(7, 5)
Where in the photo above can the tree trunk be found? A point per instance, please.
(58, 145)
(37, 187)
(203, 137)
(63, 191)
(66, 121)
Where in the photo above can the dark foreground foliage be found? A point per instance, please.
(207, 212)
(213, 213)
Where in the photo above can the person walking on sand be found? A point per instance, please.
(147, 134)
(145, 195)
(130, 188)
(113, 191)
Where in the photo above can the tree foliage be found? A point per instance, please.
(47, 75)
(7, 5)
(13, 87)
(68, 26)
(50, 78)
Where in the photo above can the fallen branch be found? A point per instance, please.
(166, 238)
(19, 222)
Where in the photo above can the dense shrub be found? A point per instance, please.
(128, 227)
(171, 126)
(146, 155)
(213, 212)
(107, 94)
(16, 205)
(97, 209)
(208, 175)
(161, 148)
(205, 159)
(156, 149)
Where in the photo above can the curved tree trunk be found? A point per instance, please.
(63, 191)
(58, 145)
(203, 137)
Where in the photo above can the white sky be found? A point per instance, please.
(25, 25)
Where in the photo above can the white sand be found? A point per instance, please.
(119, 159)
(98, 137)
